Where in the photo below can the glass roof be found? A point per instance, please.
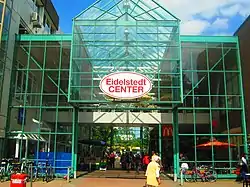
(115, 9)
(126, 35)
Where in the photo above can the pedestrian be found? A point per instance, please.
(153, 173)
(145, 161)
(128, 161)
(112, 160)
(244, 166)
(137, 162)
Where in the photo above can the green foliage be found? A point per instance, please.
(121, 136)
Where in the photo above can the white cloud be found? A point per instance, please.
(195, 14)
(194, 27)
(245, 10)
(223, 34)
(220, 23)
(230, 11)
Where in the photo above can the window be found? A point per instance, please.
(7, 18)
(19, 82)
(233, 91)
(1, 10)
(20, 87)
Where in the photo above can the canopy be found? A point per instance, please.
(93, 142)
(22, 136)
(215, 143)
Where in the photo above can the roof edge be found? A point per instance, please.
(246, 20)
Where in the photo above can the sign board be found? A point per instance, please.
(125, 85)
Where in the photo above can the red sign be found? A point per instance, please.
(125, 85)
(167, 130)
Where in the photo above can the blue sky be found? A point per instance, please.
(205, 17)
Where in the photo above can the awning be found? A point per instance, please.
(20, 136)
(93, 142)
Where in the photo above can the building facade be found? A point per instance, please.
(244, 41)
(20, 17)
(55, 98)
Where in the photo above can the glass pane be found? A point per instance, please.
(7, 17)
(1, 11)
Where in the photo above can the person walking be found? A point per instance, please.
(145, 161)
(112, 160)
(137, 163)
(128, 162)
(153, 173)
(244, 167)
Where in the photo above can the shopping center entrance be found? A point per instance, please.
(126, 59)
(127, 81)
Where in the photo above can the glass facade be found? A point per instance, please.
(212, 86)
(5, 17)
(196, 80)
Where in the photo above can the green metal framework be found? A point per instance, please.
(122, 35)
(199, 76)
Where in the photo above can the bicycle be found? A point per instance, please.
(48, 173)
(38, 170)
(208, 175)
(187, 175)
(3, 168)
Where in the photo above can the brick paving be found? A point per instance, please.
(106, 182)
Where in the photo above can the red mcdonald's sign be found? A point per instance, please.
(167, 130)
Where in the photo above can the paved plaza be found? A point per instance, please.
(105, 182)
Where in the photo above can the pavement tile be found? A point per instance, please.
(107, 182)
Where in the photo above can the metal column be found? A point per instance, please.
(75, 140)
(160, 140)
(175, 144)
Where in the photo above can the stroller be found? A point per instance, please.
(103, 165)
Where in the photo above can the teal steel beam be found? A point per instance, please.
(44, 107)
(41, 68)
(209, 39)
(194, 112)
(180, 66)
(41, 99)
(24, 104)
(75, 129)
(42, 38)
(117, 101)
(227, 112)
(107, 11)
(141, 42)
(208, 134)
(210, 104)
(142, 9)
(125, 108)
(126, 59)
(175, 143)
(146, 12)
(57, 103)
(160, 140)
(107, 72)
(148, 23)
(166, 10)
(42, 133)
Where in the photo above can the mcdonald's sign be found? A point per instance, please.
(167, 130)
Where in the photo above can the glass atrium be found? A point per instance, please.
(196, 81)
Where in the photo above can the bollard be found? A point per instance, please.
(68, 175)
(31, 175)
(182, 181)
(90, 167)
